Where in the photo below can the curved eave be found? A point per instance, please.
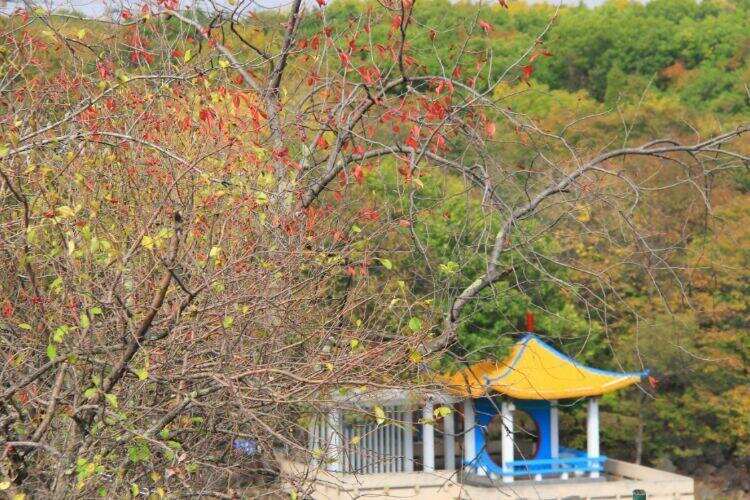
(535, 370)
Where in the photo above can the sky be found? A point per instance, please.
(99, 8)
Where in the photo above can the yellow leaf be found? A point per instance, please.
(64, 211)
(215, 252)
(223, 63)
(4, 485)
(415, 357)
(379, 415)
(81, 33)
(583, 213)
(355, 440)
(443, 411)
(147, 242)
(188, 55)
(4, 150)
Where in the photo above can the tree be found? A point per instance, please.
(191, 255)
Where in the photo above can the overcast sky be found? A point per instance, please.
(97, 8)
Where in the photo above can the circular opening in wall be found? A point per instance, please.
(525, 435)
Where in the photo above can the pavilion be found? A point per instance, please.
(389, 436)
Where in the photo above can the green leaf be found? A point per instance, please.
(449, 268)
(354, 343)
(415, 324)
(85, 321)
(135, 490)
(59, 334)
(95, 311)
(90, 392)
(111, 400)
(56, 285)
(386, 264)
(228, 322)
(356, 229)
(51, 352)
(415, 357)
(139, 453)
(24, 326)
(142, 373)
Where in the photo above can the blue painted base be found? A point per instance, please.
(542, 463)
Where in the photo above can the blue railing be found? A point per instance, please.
(571, 461)
(555, 466)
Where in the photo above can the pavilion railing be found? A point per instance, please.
(555, 466)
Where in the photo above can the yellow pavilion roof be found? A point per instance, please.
(535, 370)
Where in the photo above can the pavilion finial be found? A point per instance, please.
(529, 322)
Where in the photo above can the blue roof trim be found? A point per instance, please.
(531, 336)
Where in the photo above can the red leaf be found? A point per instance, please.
(344, 57)
(653, 381)
(490, 128)
(370, 214)
(206, 115)
(487, 27)
(7, 309)
(527, 71)
(504, 3)
(396, 22)
(359, 174)
(321, 3)
(457, 72)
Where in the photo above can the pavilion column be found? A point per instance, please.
(449, 443)
(428, 437)
(470, 444)
(335, 450)
(408, 441)
(508, 446)
(554, 429)
(592, 433)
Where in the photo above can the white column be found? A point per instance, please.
(408, 441)
(554, 428)
(428, 437)
(391, 444)
(506, 410)
(449, 441)
(470, 451)
(334, 440)
(592, 431)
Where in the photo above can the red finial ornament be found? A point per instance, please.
(529, 321)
